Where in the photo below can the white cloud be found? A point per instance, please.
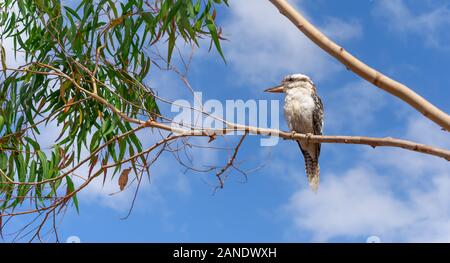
(412, 165)
(107, 195)
(431, 25)
(264, 46)
(396, 195)
(338, 29)
(350, 205)
(353, 107)
(362, 203)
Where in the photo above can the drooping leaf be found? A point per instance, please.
(44, 164)
(123, 178)
(70, 190)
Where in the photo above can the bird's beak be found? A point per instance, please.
(276, 89)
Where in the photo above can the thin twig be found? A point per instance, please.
(230, 161)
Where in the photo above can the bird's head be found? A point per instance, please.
(292, 82)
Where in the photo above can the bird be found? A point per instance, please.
(303, 111)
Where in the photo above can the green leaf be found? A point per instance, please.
(44, 164)
(21, 168)
(72, 12)
(71, 189)
(197, 6)
(95, 141)
(3, 58)
(32, 177)
(171, 45)
(122, 149)
(19, 123)
(172, 13)
(33, 143)
(109, 128)
(3, 161)
(213, 31)
(113, 7)
(2, 122)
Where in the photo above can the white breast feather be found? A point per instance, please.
(298, 110)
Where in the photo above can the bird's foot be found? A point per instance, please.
(308, 136)
(293, 133)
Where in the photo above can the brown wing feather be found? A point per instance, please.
(318, 119)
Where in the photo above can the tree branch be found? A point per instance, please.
(232, 127)
(371, 141)
(360, 68)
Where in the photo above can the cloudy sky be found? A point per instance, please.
(393, 194)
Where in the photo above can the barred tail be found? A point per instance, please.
(311, 165)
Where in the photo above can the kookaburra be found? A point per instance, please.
(303, 111)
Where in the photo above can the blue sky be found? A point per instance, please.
(396, 195)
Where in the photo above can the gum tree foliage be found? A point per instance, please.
(103, 46)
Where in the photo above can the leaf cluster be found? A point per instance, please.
(104, 47)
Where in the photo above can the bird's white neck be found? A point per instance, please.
(295, 90)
